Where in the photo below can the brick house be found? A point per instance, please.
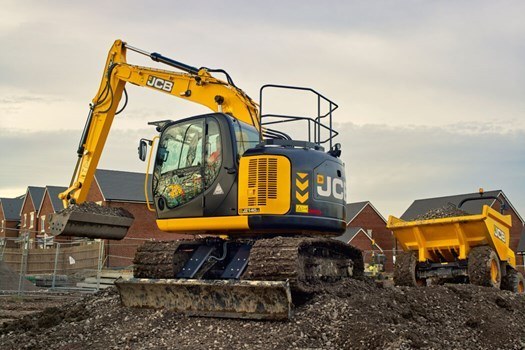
(521, 246)
(124, 189)
(422, 206)
(29, 211)
(363, 240)
(50, 204)
(10, 219)
(366, 225)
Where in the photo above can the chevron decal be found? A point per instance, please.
(301, 190)
(301, 185)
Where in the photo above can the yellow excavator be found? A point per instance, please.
(265, 203)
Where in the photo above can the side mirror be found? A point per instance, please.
(143, 149)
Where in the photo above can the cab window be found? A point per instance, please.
(213, 152)
(246, 136)
(178, 171)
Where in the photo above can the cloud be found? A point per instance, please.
(392, 166)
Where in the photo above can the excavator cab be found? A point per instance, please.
(196, 166)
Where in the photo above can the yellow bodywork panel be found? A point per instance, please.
(455, 235)
(264, 185)
(219, 223)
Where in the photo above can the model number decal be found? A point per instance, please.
(159, 83)
(499, 234)
(249, 210)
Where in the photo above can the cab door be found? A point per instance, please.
(220, 196)
(195, 169)
(178, 176)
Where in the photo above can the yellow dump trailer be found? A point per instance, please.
(469, 248)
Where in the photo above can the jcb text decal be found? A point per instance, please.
(159, 83)
(328, 187)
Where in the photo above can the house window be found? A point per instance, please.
(25, 220)
(32, 222)
(3, 225)
(43, 223)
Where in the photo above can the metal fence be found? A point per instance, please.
(59, 264)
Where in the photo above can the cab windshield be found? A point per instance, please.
(246, 136)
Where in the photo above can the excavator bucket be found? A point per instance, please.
(259, 300)
(82, 222)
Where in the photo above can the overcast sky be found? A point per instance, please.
(430, 93)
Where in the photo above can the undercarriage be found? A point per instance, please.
(256, 278)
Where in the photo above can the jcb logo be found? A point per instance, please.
(499, 234)
(328, 186)
(159, 83)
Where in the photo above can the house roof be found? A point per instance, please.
(122, 185)
(53, 192)
(353, 209)
(11, 207)
(422, 206)
(36, 194)
(521, 244)
(350, 233)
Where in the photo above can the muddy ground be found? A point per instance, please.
(359, 315)
(13, 306)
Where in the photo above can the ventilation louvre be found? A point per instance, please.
(262, 180)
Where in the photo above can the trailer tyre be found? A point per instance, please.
(405, 270)
(484, 267)
(513, 281)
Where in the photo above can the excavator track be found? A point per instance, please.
(277, 268)
(309, 264)
(156, 259)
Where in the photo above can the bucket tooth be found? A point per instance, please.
(260, 300)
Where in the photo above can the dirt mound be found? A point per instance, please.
(358, 315)
(9, 279)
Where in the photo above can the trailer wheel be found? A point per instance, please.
(484, 267)
(405, 271)
(513, 281)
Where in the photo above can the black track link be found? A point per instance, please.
(155, 259)
(286, 258)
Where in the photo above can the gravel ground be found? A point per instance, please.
(359, 315)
